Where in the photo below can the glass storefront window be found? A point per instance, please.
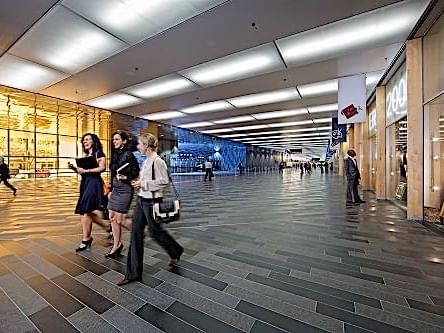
(396, 167)
(68, 119)
(21, 143)
(3, 142)
(433, 159)
(46, 145)
(67, 146)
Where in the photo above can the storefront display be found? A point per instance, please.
(433, 55)
(372, 146)
(396, 136)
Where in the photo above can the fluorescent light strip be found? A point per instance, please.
(164, 115)
(251, 62)
(19, 73)
(162, 87)
(318, 88)
(219, 130)
(197, 124)
(286, 136)
(279, 114)
(293, 123)
(114, 101)
(265, 98)
(308, 129)
(207, 107)
(231, 135)
(323, 108)
(234, 120)
(247, 128)
(343, 37)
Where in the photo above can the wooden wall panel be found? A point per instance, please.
(380, 143)
(415, 130)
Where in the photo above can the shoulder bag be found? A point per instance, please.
(167, 210)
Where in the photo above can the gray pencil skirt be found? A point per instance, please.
(121, 197)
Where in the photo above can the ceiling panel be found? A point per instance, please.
(18, 16)
(136, 20)
(66, 42)
(189, 44)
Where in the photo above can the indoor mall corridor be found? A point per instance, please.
(263, 253)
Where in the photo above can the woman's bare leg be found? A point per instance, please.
(86, 221)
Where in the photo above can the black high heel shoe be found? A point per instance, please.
(84, 245)
(116, 253)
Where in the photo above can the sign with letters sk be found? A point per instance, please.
(351, 99)
(338, 132)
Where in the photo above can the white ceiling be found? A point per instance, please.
(144, 57)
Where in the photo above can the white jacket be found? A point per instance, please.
(148, 185)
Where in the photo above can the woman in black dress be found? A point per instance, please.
(121, 190)
(91, 190)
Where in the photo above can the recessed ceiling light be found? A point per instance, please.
(19, 73)
(136, 20)
(65, 41)
(198, 124)
(383, 26)
(164, 115)
(291, 123)
(323, 108)
(251, 62)
(318, 88)
(219, 130)
(279, 114)
(247, 128)
(162, 87)
(234, 120)
(114, 101)
(265, 98)
(207, 107)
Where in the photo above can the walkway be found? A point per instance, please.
(264, 253)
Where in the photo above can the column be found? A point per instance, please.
(365, 155)
(415, 157)
(380, 143)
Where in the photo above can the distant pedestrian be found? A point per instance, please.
(353, 176)
(209, 170)
(4, 175)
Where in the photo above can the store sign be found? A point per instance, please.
(372, 123)
(352, 99)
(396, 97)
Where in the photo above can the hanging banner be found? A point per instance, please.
(338, 132)
(330, 151)
(351, 99)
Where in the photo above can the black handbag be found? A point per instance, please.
(166, 210)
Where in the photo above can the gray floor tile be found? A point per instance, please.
(199, 289)
(111, 291)
(12, 319)
(22, 295)
(430, 318)
(87, 320)
(128, 322)
(287, 309)
(42, 266)
(397, 320)
(302, 302)
(216, 310)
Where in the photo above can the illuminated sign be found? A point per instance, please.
(396, 96)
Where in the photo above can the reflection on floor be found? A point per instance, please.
(264, 253)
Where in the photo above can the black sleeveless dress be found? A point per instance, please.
(91, 191)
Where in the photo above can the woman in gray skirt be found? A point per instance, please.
(124, 169)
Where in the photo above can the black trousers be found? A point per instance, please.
(7, 184)
(208, 173)
(143, 215)
(352, 190)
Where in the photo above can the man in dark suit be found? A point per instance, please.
(353, 177)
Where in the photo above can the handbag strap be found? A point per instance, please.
(153, 177)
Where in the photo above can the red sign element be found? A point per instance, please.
(349, 111)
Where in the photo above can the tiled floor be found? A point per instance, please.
(264, 253)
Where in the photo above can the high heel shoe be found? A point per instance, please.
(84, 245)
(116, 253)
